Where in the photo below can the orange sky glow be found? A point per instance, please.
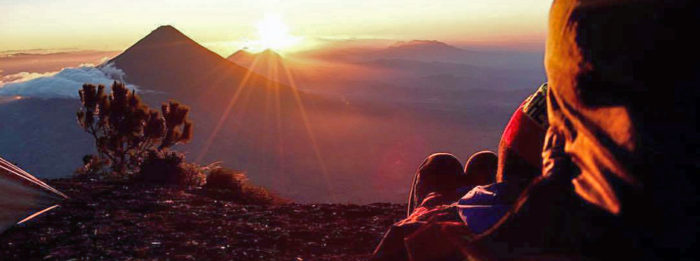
(225, 26)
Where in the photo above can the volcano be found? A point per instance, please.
(246, 58)
(167, 61)
(268, 63)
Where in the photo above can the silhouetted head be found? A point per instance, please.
(624, 78)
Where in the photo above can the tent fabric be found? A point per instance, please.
(22, 196)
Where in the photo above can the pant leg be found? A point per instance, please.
(481, 168)
(439, 172)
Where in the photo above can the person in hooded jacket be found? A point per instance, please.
(620, 158)
(478, 195)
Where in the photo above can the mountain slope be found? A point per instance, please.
(104, 220)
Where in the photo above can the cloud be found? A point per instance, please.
(22, 77)
(62, 84)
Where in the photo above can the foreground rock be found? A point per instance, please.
(115, 221)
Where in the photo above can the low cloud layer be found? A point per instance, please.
(22, 77)
(63, 84)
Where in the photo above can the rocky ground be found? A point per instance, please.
(117, 221)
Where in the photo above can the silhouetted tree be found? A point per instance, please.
(125, 129)
(177, 127)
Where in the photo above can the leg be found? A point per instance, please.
(440, 172)
(481, 168)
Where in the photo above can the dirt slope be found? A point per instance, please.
(111, 221)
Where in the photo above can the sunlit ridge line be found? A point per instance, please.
(309, 131)
(224, 115)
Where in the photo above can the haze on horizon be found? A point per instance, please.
(225, 26)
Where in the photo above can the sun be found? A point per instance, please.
(274, 34)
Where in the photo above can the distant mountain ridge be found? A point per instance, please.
(425, 50)
(247, 57)
(423, 44)
(430, 51)
(267, 62)
(242, 55)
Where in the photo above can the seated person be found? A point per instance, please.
(620, 164)
(443, 190)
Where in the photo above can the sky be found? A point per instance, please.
(227, 25)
